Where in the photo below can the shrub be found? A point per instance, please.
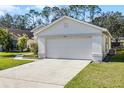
(33, 46)
(22, 41)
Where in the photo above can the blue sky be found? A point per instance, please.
(106, 8)
(21, 9)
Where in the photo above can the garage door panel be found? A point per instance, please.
(69, 47)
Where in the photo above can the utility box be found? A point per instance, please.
(112, 52)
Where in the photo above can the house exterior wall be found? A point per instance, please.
(41, 47)
(110, 42)
(106, 44)
(97, 48)
(103, 45)
(72, 28)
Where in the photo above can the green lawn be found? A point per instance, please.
(31, 56)
(119, 56)
(11, 54)
(101, 75)
(8, 63)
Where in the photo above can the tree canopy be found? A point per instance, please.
(113, 21)
(22, 41)
(5, 40)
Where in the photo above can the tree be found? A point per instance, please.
(64, 12)
(93, 10)
(59, 12)
(46, 13)
(22, 41)
(32, 18)
(6, 21)
(78, 11)
(74, 11)
(33, 46)
(56, 13)
(113, 21)
(20, 22)
(84, 10)
(5, 40)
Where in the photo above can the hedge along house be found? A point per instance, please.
(68, 38)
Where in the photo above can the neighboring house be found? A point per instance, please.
(16, 33)
(119, 43)
(69, 38)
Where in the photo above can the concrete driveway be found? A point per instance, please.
(42, 73)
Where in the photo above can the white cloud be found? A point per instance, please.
(20, 9)
(8, 9)
(51, 6)
(42, 6)
(39, 6)
(1, 13)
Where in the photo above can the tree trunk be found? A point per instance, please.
(117, 42)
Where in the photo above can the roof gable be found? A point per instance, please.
(40, 29)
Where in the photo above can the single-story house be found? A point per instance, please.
(68, 38)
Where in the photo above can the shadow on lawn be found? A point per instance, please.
(119, 57)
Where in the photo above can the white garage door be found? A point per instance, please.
(69, 47)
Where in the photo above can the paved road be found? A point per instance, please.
(42, 73)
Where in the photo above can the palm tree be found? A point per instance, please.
(93, 10)
(46, 13)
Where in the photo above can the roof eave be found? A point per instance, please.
(37, 29)
(108, 33)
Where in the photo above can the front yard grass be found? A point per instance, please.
(8, 63)
(31, 56)
(101, 75)
(11, 54)
(119, 56)
(26, 55)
